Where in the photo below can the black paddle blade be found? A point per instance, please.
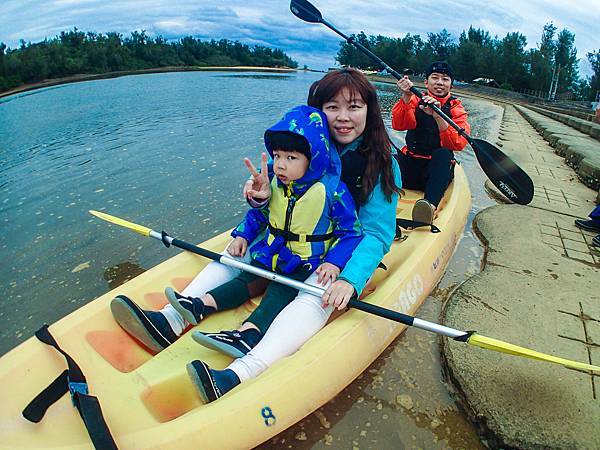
(502, 171)
(306, 11)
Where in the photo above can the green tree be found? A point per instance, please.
(512, 58)
(566, 58)
(3, 81)
(441, 44)
(474, 55)
(594, 83)
(349, 55)
(75, 52)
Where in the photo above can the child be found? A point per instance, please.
(311, 224)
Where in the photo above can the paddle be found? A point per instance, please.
(502, 171)
(470, 337)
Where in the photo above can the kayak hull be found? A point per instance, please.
(149, 401)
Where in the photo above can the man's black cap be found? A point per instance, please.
(439, 67)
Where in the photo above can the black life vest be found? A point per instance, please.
(426, 136)
(354, 164)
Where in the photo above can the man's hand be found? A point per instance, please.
(258, 186)
(428, 100)
(338, 294)
(404, 84)
(327, 272)
(238, 246)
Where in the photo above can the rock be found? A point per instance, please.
(82, 266)
(405, 401)
(324, 422)
(301, 436)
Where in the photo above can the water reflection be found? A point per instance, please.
(14, 97)
(265, 76)
(162, 149)
(121, 273)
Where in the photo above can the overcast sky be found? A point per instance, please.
(269, 22)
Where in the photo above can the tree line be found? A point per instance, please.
(479, 55)
(77, 52)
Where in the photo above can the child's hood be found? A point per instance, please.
(311, 124)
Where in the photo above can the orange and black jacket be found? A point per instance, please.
(423, 135)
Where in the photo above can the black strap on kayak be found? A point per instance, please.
(399, 236)
(405, 223)
(71, 380)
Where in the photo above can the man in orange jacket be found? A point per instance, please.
(427, 159)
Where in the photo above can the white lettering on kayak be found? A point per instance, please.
(410, 294)
(444, 254)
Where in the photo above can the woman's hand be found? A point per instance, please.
(258, 186)
(338, 294)
(327, 272)
(238, 246)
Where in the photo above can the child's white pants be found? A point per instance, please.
(296, 324)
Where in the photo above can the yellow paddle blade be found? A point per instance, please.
(505, 347)
(145, 231)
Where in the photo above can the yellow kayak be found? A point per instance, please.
(149, 401)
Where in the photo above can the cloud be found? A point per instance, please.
(269, 22)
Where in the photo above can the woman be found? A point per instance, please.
(371, 173)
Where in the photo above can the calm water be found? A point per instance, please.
(165, 150)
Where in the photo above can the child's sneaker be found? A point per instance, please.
(211, 384)
(192, 309)
(149, 327)
(231, 343)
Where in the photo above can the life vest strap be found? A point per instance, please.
(293, 237)
(406, 151)
(71, 380)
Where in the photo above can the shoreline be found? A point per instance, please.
(122, 73)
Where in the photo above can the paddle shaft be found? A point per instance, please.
(315, 290)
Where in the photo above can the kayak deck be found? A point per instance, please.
(149, 401)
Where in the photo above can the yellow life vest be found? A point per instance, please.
(301, 221)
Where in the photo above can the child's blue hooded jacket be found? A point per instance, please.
(313, 219)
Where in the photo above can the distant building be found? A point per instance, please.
(486, 82)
